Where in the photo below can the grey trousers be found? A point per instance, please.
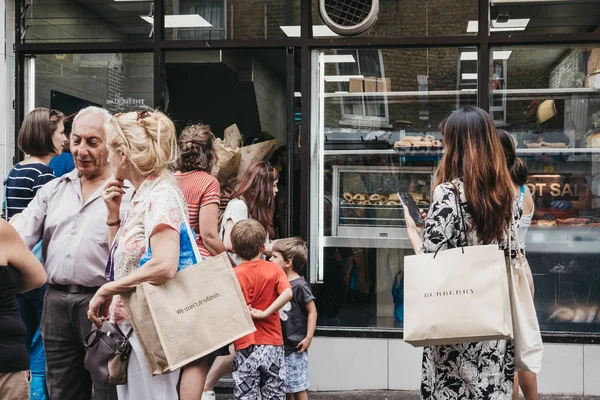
(64, 327)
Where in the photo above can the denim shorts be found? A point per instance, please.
(296, 372)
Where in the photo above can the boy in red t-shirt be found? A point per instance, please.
(259, 356)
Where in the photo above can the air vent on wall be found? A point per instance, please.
(349, 17)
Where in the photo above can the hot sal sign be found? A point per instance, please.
(557, 189)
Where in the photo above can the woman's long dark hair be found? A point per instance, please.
(256, 189)
(474, 153)
(516, 166)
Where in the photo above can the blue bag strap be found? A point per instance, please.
(522, 197)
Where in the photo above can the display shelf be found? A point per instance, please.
(364, 242)
(565, 150)
(520, 151)
(578, 240)
(467, 92)
(413, 93)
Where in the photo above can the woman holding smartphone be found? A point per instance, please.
(473, 203)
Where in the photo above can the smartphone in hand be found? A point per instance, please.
(407, 200)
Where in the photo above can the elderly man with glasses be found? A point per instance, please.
(70, 214)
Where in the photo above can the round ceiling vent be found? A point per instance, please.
(349, 17)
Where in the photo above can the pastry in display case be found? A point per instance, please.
(368, 205)
(419, 143)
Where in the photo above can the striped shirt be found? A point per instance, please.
(23, 183)
(199, 189)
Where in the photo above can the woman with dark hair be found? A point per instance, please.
(254, 198)
(474, 162)
(202, 194)
(42, 138)
(519, 173)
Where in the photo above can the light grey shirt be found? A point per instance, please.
(75, 246)
(236, 211)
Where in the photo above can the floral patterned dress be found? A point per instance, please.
(479, 370)
(158, 201)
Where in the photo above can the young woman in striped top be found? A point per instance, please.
(41, 137)
(202, 194)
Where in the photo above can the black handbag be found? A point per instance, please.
(107, 353)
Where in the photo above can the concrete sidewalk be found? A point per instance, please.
(391, 395)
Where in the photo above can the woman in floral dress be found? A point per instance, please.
(474, 166)
(141, 147)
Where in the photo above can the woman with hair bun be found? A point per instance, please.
(201, 190)
(141, 146)
(202, 194)
(527, 380)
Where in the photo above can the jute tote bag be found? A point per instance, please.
(456, 296)
(197, 312)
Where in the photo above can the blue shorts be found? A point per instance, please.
(296, 372)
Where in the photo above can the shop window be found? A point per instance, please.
(248, 88)
(359, 240)
(550, 96)
(232, 19)
(213, 11)
(86, 21)
(517, 17)
(119, 82)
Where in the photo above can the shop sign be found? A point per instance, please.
(125, 102)
(556, 189)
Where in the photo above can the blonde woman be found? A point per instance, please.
(141, 147)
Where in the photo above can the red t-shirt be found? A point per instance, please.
(199, 189)
(262, 282)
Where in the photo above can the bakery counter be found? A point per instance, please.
(365, 201)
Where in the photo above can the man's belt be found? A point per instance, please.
(75, 289)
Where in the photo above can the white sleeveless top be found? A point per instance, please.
(525, 221)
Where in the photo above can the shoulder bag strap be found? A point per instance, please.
(522, 197)
(463, 226)
(461, 223)
(4, 201)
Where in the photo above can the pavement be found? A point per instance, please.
(391, 395)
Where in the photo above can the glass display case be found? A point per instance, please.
(366, 203)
